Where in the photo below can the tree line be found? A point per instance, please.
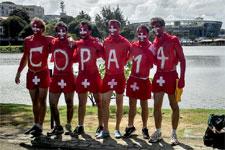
(17, 25)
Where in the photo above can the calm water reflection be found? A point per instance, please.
(205, 79)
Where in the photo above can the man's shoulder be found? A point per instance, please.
(28, 38)
(134, 43)
(172, 37)
(107, 39)
(79, 42)
(123, 39)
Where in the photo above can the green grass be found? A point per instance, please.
(195, 116)
(191, 120)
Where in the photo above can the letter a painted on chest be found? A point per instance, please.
(112, 59)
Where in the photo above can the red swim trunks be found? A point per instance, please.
(164, 82)
(39, 79)
(138, 88)
(63, 83)
(114, 82)
(91, 83)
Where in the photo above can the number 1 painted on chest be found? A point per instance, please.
(138, 60)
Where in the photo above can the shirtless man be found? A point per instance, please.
(36, 51)
(138, 84)
(63, 80)
(168, 52)
(116, 54)
(88, 50)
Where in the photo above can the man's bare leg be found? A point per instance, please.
(53, 101)
(119, 111)
(35, 105)
(98, 99)
(175, 118)
(158, 99)
(42, 101)
(175, 111)
(132, 111)
(105, 108)
(69, 104)
(82, 108)
(144, 112)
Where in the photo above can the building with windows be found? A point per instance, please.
(33, 11)
(191, 29)
(196, 28)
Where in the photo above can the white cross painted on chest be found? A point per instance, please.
(142, 37)
(62, 83)
(112, 29)
(134, 86)
(112, 83)
(36, 80)
(61, 33)
(160, 81)
(85, 83)
(82, 31)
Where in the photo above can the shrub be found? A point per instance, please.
(11, 49)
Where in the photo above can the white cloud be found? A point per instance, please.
(139, 10)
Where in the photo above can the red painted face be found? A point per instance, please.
(114, 28)
(158, 29)
(37, 27)
(84, 31)
(61, 32)
(142, 34)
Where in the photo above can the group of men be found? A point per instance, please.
(165, 52)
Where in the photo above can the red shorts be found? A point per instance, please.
(164, 82)
(114, 82)
(91, 83)
(62, 83)
(39, 79)
(138, 88)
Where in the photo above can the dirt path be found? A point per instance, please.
(13, 139)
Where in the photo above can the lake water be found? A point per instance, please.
(205, 79)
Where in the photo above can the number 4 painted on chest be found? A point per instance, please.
(161, 56)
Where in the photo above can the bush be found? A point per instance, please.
(11, 49)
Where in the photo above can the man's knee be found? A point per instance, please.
(42, 98)
(53, 103)
(69, 103)
(82, 103)
(174, 106)
(157, 105)
(98, 103)
(35, 103)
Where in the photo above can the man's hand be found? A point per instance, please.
(71, 42)
(17, 78)
(181, 83)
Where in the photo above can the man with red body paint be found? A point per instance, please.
(63, 80)
(116, 54)
(168, 52)
(138, 84)
(36, 51)
(88, 50)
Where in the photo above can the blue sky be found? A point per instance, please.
(139, 10)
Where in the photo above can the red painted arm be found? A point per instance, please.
(23, 63)
(182, 61)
